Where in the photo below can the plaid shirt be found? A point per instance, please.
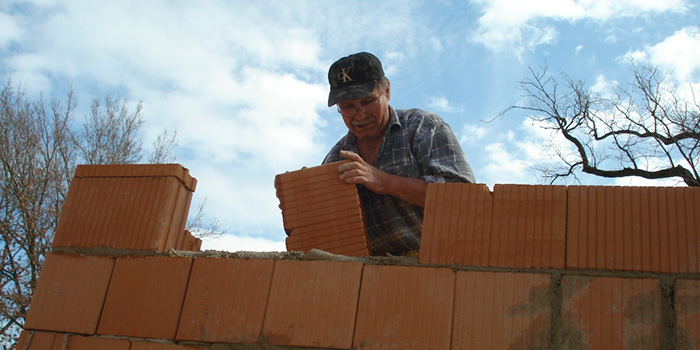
(417, 144)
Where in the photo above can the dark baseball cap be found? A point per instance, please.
(353, 77)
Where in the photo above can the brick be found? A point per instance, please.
(610, 313)
(687, 310)
(124, 211)
(501, 311)
(158, 346)
(332, 212)
(189, 242)
(313, 303)
(34, 340)
(457, 224)
(332, 236)
(651, 229)
(405, 308)
(145, 297)
(58, 341)
(92, 343)
(226, 300)
(138, 170)
(324, 171)
(70, 293)
(529, 226)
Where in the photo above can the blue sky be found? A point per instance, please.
(244, 82)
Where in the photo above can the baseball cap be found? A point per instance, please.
(353, 77)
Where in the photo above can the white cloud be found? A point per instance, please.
(233, 243)
(441, 104)
(520, 25)
(680, 53)
(472, 134)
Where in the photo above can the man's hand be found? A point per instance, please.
(360, 172)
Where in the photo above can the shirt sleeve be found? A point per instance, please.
(441, 156)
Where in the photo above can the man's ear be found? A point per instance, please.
(388, 90)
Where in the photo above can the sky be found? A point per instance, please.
(244, 83)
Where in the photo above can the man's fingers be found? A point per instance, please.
(350, 155)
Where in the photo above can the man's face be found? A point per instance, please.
(367, 117)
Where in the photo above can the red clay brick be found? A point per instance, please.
(92, 343)
(303, 174)
(145, 297)
(125, 213)
(31, 340)
(226, 300)
(405, 308)
(138, 170)
(611, 313)
(687, 309)
(457, 224)
(70, 293)
(501, 311)
(632, 229)
(313, 303)
(64, 341)
(189, 242)
(528, 221)
(158, 346)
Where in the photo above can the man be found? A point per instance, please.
(394, 153)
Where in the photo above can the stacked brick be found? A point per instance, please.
(321, 211)
(138, 206)
(515, 226)
(486, 293)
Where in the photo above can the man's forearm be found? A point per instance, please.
(407, 189)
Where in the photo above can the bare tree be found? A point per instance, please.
(110, 133)
(36, 160)
(646, 128)
(163, 148)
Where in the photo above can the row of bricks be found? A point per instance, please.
(55, 341)
(321, 211)
(577, 227)
(141, 207)
(346, 305)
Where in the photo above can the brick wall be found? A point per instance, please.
(522, 267)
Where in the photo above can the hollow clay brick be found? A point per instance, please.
(687, 309)
(226, 300)
(91, 343)
(36, 340)
(147, 213)
(650, 229)
(159, 346)
(138, 170)
(456, 224)
(324, 171)
(64, 341)
(610, 313)
(70, 293)
(405, 308)
(529, 226)
(145, 297)
(501, 311)
(189, 242)
(312, 303)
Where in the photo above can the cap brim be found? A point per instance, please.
(351, 92)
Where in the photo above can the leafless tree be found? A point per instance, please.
(646, 128)
(110, 133)
(36, 158)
